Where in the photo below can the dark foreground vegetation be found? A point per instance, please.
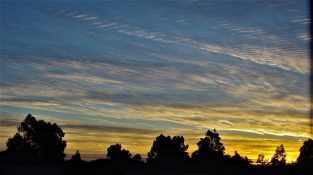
(38, 148)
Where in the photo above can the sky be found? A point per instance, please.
(126, 71)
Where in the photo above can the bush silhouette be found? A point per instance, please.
(42, 138)
(279, 158)
(167, 147)
(209, 147)
(115, 152)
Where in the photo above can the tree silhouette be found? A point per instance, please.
(210, 146)
(116, 152)
(236, 156)
(18, 143)
(137, 158)
(306, 152)
(76, 157)
(239, 159)
(42, 138)
(165, 147)
(279, 158)
(261, 159)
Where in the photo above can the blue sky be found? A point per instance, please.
(146, 67)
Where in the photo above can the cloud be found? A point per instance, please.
(9, 123)
(112, 129)
(304, 36)
(303, 21)
(264, 57)
(262, 134)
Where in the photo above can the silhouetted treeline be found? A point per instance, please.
(38, 148)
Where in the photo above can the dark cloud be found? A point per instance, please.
(25, 100)
(102, 128)
(8, 123)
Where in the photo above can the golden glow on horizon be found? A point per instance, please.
(250, 147)
(94, 140)
(94, 144)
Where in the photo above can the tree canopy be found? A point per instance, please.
(306, 152)
(165, 147)
(116, 152)
(279, 158)
(18, 143)
(210, 146)
(42, 138)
